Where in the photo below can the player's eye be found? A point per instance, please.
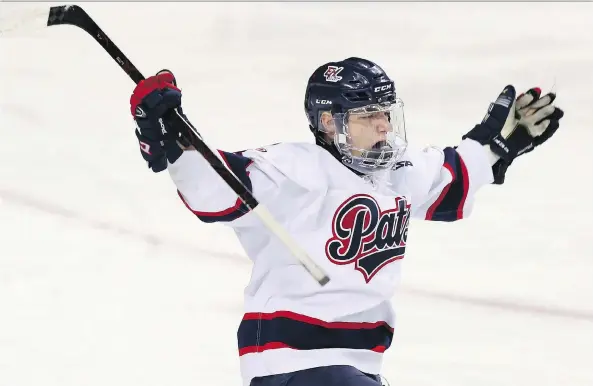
(379, 115)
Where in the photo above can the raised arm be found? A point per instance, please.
(163, 147)
(511, 127)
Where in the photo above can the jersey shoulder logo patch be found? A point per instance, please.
(401, 164)
(366, 236)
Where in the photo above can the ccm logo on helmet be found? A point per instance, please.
(383, 88)
(323, 102)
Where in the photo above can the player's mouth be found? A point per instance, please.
(381, 145)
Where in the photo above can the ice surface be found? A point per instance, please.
(105, 278)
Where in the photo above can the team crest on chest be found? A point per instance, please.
(365, 235)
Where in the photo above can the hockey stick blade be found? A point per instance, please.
(78, 17)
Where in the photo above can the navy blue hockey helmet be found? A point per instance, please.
(353, 111)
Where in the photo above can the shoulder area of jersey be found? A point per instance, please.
(305, 164)
(418, 153)
(283, 150)
(418, 160)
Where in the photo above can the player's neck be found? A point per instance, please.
(336, 154)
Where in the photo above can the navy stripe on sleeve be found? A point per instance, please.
(238, 164)
(449, 205)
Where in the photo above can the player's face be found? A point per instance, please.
(369, 138)
(368, 130)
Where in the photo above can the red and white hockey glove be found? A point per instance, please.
(160, 136)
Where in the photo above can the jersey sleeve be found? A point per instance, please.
(455, 175)
(206, 194)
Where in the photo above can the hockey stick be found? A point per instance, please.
(76, 16)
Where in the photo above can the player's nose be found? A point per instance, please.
(382, 126)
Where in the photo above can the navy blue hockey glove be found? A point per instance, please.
(513, 127)
(152, 105)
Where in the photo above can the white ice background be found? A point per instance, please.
(106, 278)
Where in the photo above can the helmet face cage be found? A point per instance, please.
(352, 106)
(369, 138)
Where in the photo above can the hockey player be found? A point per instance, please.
(347, 199)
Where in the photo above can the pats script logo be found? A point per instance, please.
(366, 236)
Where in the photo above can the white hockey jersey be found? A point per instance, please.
(354, 227)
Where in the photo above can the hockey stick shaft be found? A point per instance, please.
(76, 16)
